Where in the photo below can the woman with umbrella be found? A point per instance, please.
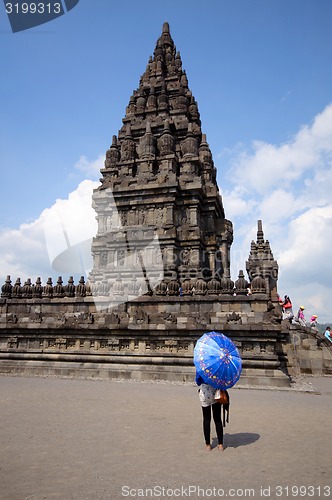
(206, 396)
(218, 366)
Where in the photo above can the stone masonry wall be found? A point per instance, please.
(148, 336)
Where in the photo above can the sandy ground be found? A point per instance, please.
(85, 440)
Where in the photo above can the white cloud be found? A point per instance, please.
(90, 169)
(288, 187)
(70, 222)
(268, 165)
(278, 206)
(27, 253)
(308, 256)
(236, 204)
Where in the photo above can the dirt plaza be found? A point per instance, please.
(98, 439)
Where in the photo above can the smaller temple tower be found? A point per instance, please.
(261, 267)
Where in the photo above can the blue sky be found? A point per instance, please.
(261, 73)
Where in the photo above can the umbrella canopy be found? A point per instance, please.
(217, 360)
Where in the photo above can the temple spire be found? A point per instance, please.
(161, 149)
(260, 234)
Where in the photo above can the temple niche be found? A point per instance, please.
(159, 183)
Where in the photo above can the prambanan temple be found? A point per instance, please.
(161, 273)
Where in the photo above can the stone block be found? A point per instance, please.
(306, 344)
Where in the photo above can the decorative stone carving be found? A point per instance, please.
(70, 288)
(181, 104)
(233, 318)
(151, 103)
(227, 285)
(118, 287)
(193, 110)
(258, 285)
(163, 101)
(200, 287)
(103, 288)
(27, 289)
(187, 286)
(112, 154)
(166, 38)
(147, 144)
(37, 289)
(184, 80)
(131, 108)
(189, 146)
(166, 141)
(17, 289)
(81, 288)
(161, 288)
(6, 289)
(178, 62)
(59, 289)
(48, 289)
(128, 146)
(213, 286)
(173, 287)
(133, 287)
(204, 152)
(140, 104)
(140, 317)
(241, 284)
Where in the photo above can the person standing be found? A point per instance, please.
(206, 397)
(300, 316)
(287, 308)
(327, 333)
(313, 321)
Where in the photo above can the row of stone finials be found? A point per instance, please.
(196, 286)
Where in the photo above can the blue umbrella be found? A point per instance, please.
(217, 360)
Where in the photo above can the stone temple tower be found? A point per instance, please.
(158, 206)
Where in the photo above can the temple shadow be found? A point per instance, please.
(240, 439)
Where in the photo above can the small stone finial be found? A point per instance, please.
(260, 234)
(166, 141)
(27, 289)
(162, 99)
(7, 287)
(17, 289)
(166, 38)
(48, 288)
(147, 147)
(241, 284)
(112, 154)
(128, 130)
(184, 80)
(81, 288)
(37, 289)
(178, 62)
(58, 289)
(128, 145)
(70, 287)
(165, 27)
(189, 146)
(151, 103)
